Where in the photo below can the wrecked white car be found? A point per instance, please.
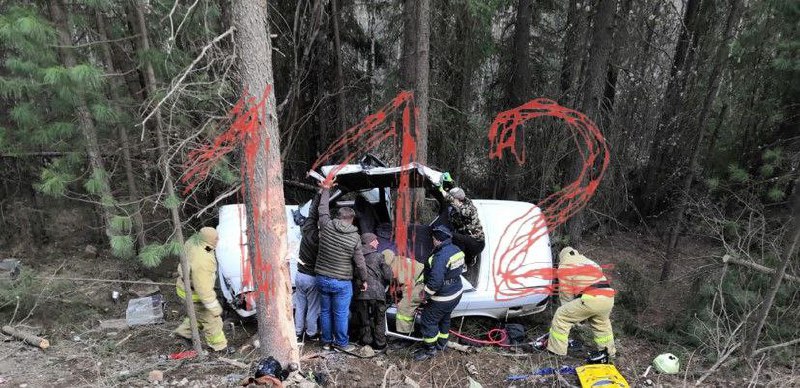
(368, 188)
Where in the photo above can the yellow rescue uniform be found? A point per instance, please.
(585, 296)
(405, 271)
(203, 273)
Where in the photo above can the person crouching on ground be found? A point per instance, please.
(585, 294)
(339, 251)
(442, 278)
(199, 251)
(370, 305)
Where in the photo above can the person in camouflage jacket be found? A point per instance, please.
(462, 216)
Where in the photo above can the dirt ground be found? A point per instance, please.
(68, 312)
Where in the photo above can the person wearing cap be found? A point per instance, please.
(370, 304)
(462, 216)
(306, 295)
(442, 292)
(585, 295)
(338, 258)
(199, 250)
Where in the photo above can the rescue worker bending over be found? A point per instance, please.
(404, 286)
(585, 294)
(442, 278)
(462, 215)
(203, 272)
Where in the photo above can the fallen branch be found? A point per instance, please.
(106, 280)
(757, 267)
(122, 341)
(28, 338)
(717, 364)
(777, 346)
(235, 363)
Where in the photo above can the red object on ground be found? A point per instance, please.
(182, 355)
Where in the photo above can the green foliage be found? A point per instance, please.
(767, 170)
(173, 248)
(772, 155)
(737, 174)
(712, 183)
(151, 255)
(122, 246)
(54, 181)
(172, 201)
(25, 116)
(121, 224)
(224, 173)
(776, 194)
(97, 183)
(86, 75)
(105, 114)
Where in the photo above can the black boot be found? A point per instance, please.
(441, 345)
(598, 357)
(426, 353)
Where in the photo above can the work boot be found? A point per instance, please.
(441, 345)
(326, 346)
(426, 353)
(228, 350)
(349, 348)
(598, 357)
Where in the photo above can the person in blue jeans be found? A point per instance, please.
(339, 252)
(306, 294)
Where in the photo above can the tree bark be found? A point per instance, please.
(265, 190)
(340, 106)
(85, 121)
(517, 93)
(789, 253)
(408, 57)
(422, 81)
(672, 105)
(114, 89)
(573, 53)
(713, 86)
(150, 86)
(593, 90)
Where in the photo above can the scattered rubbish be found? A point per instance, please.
(515, 334)
(235, 363)
(546, 371)
(10, 268)
(124, 372)
(155, 376)
(90, 250)
(115, 296)
(76, 338)
(473, 383)
(144, 287)
(122, 341)
(28, 338)
(145, 311)
(459, 347)
(600, 375)
(647, 371)
(471, 369)
(182, 355)
(410, 382)
(270, 367)
(667, 363)
(114, 324)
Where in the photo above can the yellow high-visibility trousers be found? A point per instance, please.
(404, 320)
(209, 325)
(594, 309)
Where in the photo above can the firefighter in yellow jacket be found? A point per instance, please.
(405, 272)
(203, 272)
(585, 295)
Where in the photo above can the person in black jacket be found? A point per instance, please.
(306, 295)
(442, 278)
(370, 305)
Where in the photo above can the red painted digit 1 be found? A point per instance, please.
(509, 268)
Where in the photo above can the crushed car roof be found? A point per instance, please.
(354, 177)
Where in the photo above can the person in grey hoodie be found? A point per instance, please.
(339, 252)
(370, 305)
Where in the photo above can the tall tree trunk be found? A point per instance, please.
(114, 89)
(517, 93)
(715, 77)
(789, 254)
(673, 98)
(422, 81)
(340, 107)
(85, 121)
(573, 52)
(408, 61)
(593, 88)
(265, 190)
(150, 86)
